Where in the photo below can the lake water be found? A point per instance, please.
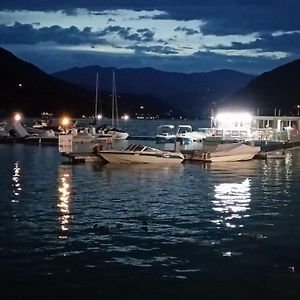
(219, 231)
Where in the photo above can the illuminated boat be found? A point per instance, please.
(141, 154)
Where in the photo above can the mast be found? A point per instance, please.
(114, 108)
(96, 97)
(116, 105)
(113, 101)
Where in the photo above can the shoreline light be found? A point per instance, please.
(17, 117)
(65, 121)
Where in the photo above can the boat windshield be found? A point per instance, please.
(135, 147)
(166, 129)
(184, 129)
(149, 149)
(139, 148)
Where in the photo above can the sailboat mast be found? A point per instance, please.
(96, 97)
(116, 105)
(113, 101)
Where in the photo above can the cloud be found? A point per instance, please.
(237, 31)
(188, 31)
(27, 34)
(287, 42)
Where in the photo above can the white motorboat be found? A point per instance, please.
(186, 132)
(141, 154)
(165, 134)
(106, 131)
(226, 153)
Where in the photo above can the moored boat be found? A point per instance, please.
(165, 134)
(141, 154)
(226, 153)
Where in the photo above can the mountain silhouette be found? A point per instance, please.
(191, 94)
(276, 89)
(26, 88)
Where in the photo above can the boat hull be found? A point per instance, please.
(228, 153)
(136, 158)
(232, 158)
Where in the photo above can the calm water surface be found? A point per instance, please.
(222, 231)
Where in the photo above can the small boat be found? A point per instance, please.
(141, 154)
(106, 131)
(186, 132)
(226, 153)
(165, 134)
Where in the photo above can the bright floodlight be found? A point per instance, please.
(17, 117)
(227, 118)
(125, 117)
(99, 117)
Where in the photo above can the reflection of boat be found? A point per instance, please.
(275, 154)
(141, 154)
(147, 168)
(226, 153)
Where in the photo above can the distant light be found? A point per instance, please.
(99, 117)
(65, 121)
(17, 117)
(125, 117)
(20, 85)
(141, 107)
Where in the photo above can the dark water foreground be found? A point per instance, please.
(225, 231)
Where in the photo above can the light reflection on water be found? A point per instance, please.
(232, 201)
(16, 182)
(64, 197)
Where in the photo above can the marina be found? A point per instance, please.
(77, 143)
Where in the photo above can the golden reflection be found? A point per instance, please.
(64, 197)
(232, 201)
(16, 183)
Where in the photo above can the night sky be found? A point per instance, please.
(183, 36)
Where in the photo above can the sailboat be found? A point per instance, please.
(114, 130)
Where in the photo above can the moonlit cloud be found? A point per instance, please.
(146, 32)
